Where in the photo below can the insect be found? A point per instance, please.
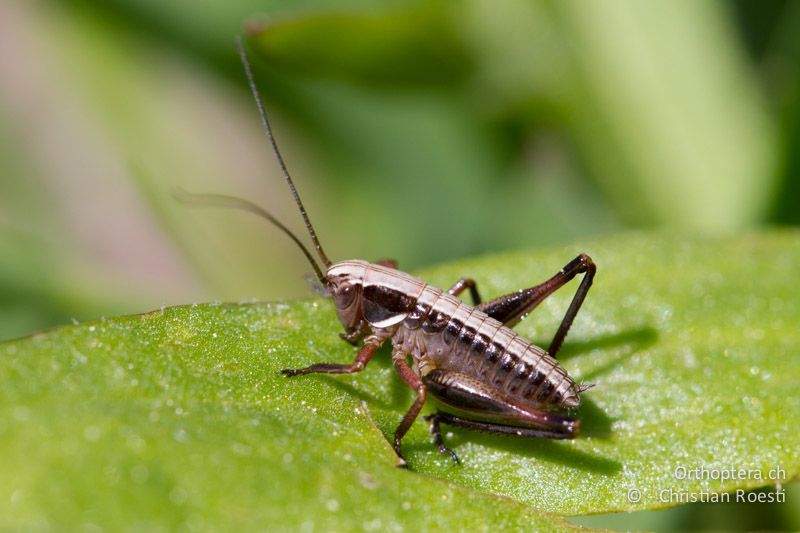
(483, 375)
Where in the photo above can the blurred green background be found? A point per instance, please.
(423, 131)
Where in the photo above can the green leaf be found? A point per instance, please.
(177, 417)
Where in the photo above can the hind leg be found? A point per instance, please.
(510, 308)
(493, 411)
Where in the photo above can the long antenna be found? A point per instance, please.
(220, 200)
(268, 129)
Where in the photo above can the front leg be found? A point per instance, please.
(371, 345)
(356, 334)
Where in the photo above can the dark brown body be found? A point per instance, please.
(483, 375)
(442, 332)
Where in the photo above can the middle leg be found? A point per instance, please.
(412, 380)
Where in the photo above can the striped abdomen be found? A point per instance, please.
(444, 332)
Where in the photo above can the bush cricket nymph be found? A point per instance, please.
(483, 376)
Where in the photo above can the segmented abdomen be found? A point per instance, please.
(456, 336)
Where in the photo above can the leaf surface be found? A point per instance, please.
(177, 417)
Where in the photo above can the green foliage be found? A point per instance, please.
(566, 117)
(686, 144)
(177, 417)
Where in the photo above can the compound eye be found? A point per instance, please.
(344, 296)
